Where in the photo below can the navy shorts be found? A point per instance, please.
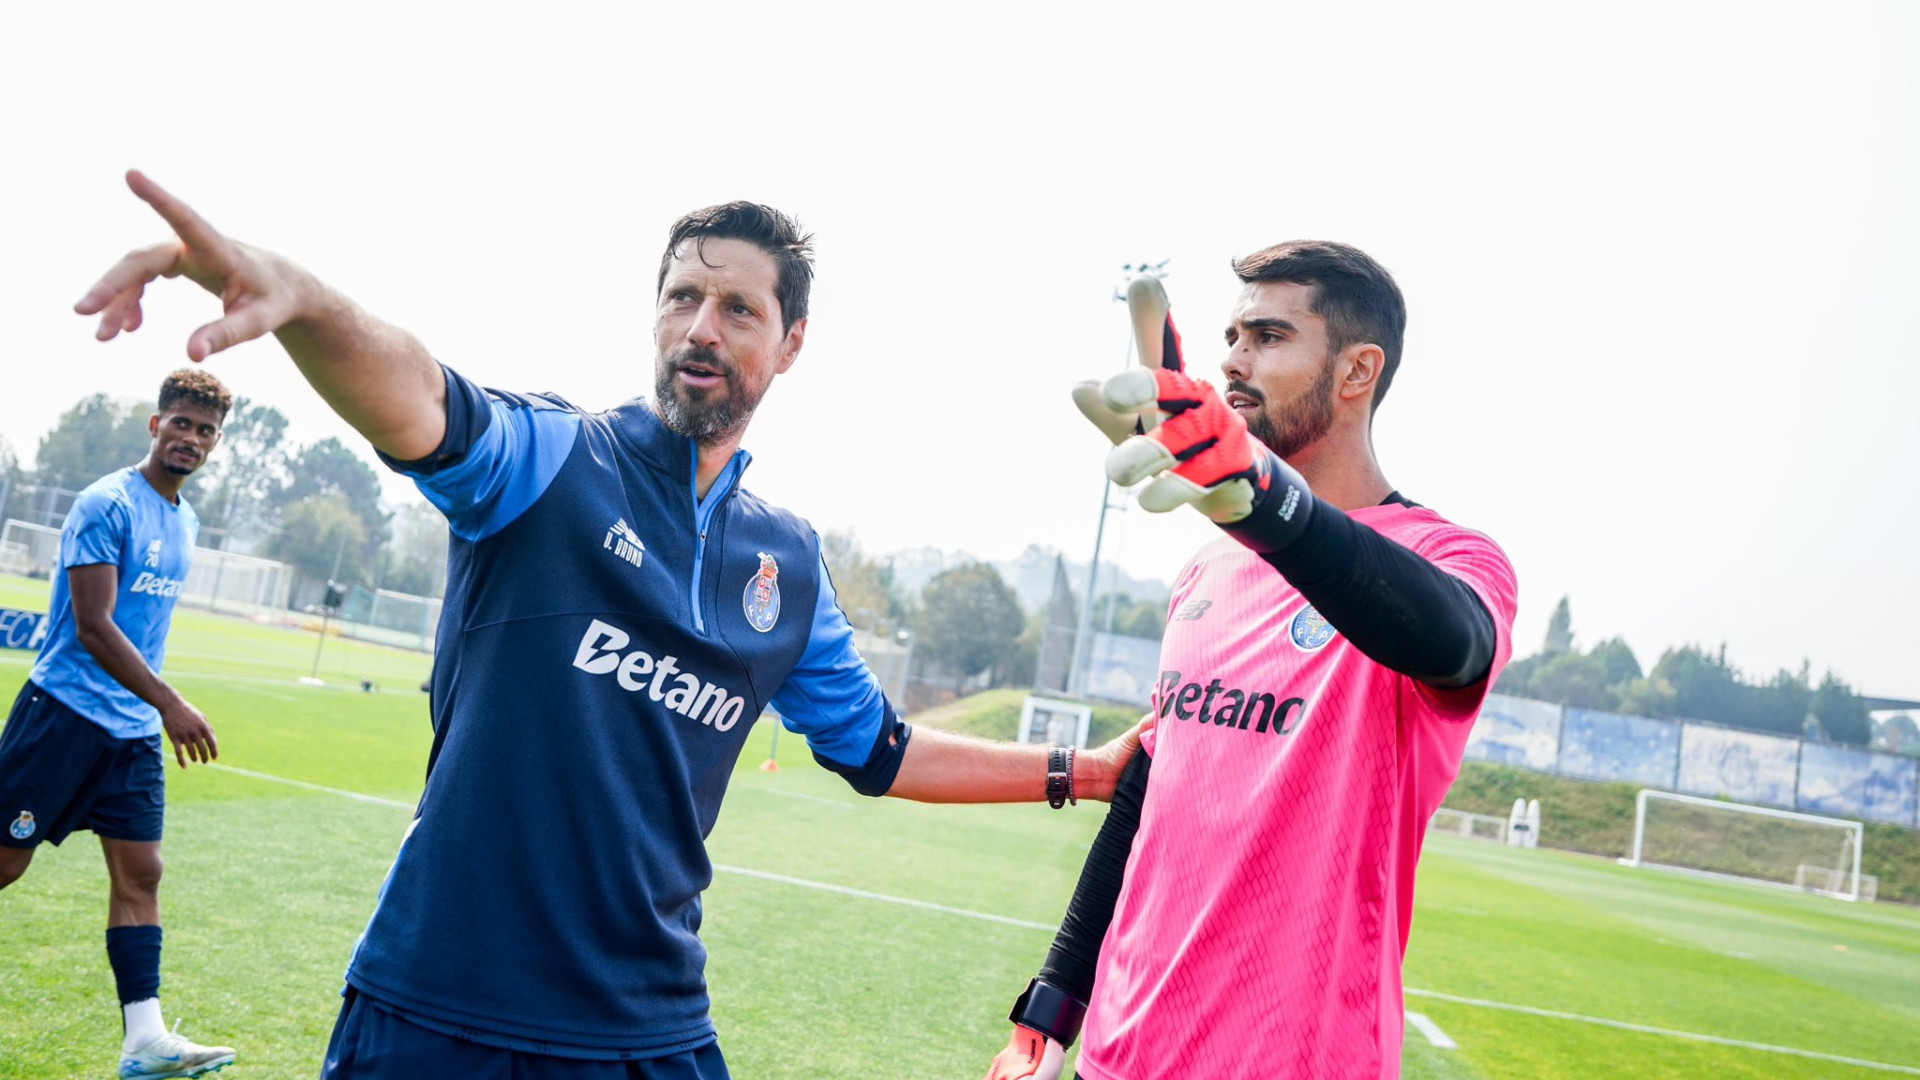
(60, 771)
(371, 1043)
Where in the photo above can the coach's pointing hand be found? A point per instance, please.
(260, 291)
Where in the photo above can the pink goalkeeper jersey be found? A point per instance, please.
(1267, 899)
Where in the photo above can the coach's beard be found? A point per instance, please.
(705, 415)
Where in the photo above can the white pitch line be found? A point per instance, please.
(1669, 1033)
(840, 804)
(354, 795)
(1432, 1031)
(883, 898)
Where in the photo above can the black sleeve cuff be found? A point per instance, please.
(468, 415)
(875, 778)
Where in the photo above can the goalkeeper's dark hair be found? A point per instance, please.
(765, 228)
(195, 387)
(1356, 295)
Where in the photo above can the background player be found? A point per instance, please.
(81, 748)
(616, 608)
(1323, 662)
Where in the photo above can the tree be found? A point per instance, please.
(1842, 715)
(1559, 629)
(319, 532)
(969, 620)
(1617, 661)
(95, 437)
(864, 587)
(248, 473)
(1130, 617)
(329, 468)
(415, 559)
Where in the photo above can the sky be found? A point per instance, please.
(1659, 259)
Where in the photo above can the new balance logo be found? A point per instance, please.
(153, 555)
(660, 677)
(1229, 708)
(624, 542)
(1193, 609)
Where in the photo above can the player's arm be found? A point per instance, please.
(376, 376)
(832, 698)
(93, 589)
(946, 767)
(1395, 606)
(1052, 1006)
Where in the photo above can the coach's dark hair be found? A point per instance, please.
(195, 387)
(1356, 295)
(765, 228)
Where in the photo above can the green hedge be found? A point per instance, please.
(1597, 818)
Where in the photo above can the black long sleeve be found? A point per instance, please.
(1401, 611)
(1076, 947)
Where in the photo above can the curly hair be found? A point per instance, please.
(197, 388)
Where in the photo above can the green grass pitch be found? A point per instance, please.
(1537, 964)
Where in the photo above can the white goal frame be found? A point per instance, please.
(1858, 831)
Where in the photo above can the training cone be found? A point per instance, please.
(769, 765)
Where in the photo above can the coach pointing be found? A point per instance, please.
(615, 603)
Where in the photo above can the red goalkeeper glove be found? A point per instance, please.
(1028, 1054)
(1199, 453)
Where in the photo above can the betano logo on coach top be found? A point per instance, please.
(155, 585)
(1229, 708)
(681, 691)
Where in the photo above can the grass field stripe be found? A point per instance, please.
(1646, 1030)
(741, 870)
(883, 898)
(354, 795)
(1432, 1031)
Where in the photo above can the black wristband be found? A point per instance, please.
(1059, 776)
(1282, 505)
(1050, 1011)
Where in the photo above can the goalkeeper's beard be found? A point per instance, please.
(1294, 425)
(706, 415)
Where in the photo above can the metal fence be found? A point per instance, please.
(1698, 758)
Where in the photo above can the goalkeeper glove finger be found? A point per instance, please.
(1202, 455)
(1028, 1054)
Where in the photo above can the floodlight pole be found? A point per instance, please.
(1082, 642)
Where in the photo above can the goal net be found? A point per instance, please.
(1447, 821)
(28, 549)
(1747, 843)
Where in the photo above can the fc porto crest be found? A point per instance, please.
(1310, 630)
(762, 599)
(22, 826)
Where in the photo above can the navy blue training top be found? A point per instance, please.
(608, 639)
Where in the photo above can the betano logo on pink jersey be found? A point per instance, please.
(1229, 708)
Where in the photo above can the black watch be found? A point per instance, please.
(1060, 777)
(1050, 1011)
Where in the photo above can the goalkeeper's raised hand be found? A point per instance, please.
(1028, 1054)
(1199, 453)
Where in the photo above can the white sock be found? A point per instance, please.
(144, 1024)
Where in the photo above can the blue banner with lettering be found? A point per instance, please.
(22, 629)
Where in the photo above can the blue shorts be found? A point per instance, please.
(371, 1043)
(60, 771)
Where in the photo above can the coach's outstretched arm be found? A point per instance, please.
(944, 767)
(377, 377)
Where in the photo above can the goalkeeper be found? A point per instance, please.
(1245, 908)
